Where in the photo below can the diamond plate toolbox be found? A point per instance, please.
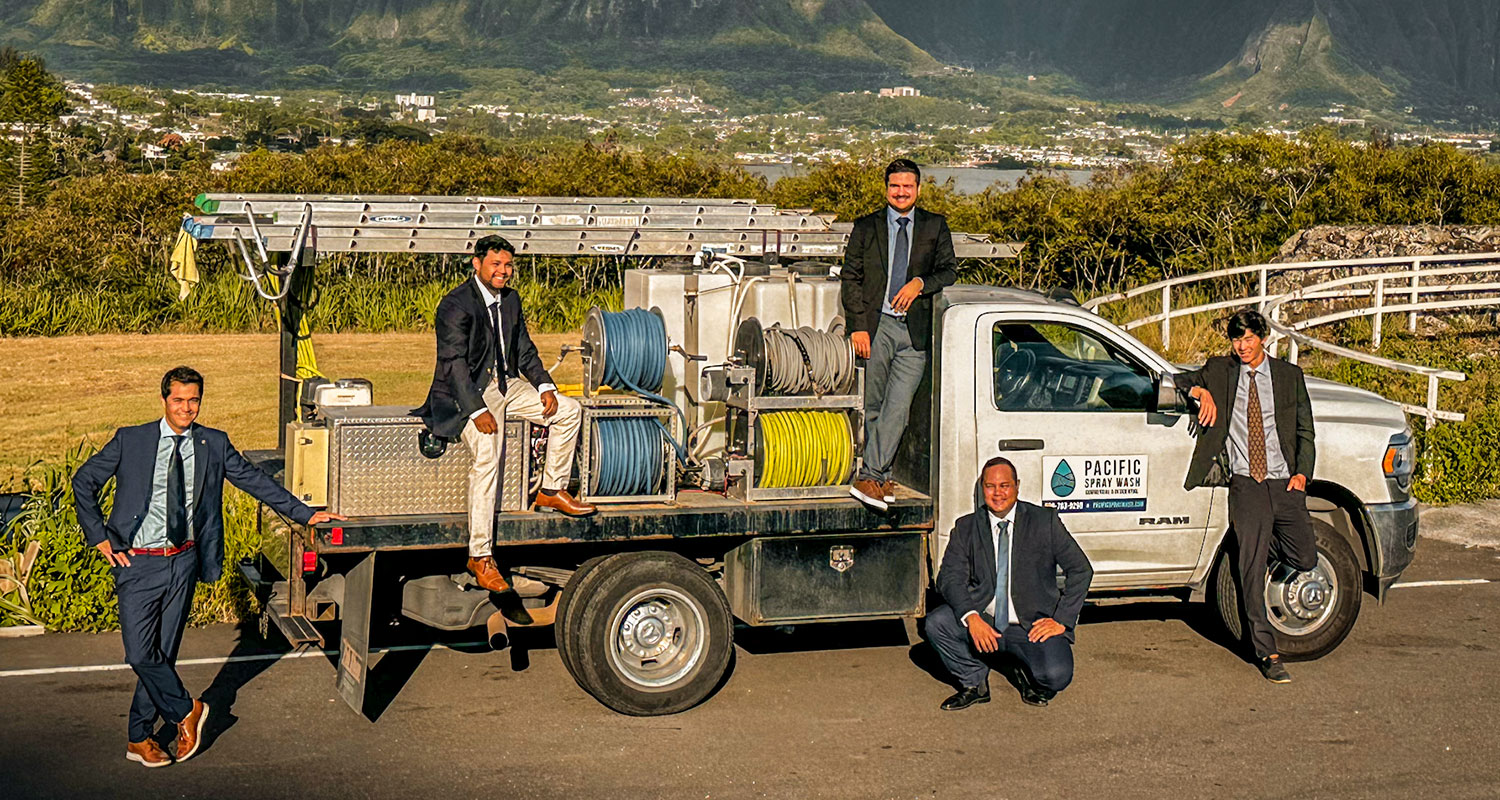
(376, 469)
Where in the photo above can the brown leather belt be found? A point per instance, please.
(161, 551)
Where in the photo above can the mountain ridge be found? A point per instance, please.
(1227, 57)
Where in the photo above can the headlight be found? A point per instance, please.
(1400, 457)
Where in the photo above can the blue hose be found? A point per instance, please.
(634, 465)
(635, 358)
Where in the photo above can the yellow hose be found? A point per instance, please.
(805, 448)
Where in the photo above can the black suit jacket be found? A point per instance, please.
(1040, 545)
(1220, 375)
(466, 356)
(866, 265)
(130, 458)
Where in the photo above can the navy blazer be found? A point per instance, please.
(1040, 545)
(866, 267)
(466, 356)
(130, 458)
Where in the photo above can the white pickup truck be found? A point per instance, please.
(1097, 430)
(643, 596)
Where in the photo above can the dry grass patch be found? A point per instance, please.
(58, 391)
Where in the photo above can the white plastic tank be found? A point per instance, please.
(699, 307)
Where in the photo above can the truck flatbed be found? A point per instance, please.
(694, 514)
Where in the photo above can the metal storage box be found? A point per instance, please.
(774, 580)
(376, 469)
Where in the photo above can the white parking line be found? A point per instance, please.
(188, 662)
(21, 673)
(1458, 582)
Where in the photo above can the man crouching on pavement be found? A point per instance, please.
(999, 578)
(483, 352)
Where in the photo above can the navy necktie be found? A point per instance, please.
(499, 351)
(1002, 575)
(898, 264)
(177, 527)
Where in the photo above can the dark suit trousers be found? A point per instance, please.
(1049, 663)
(1268, 520)
(156, 593)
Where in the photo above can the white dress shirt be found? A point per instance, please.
(1010, 520)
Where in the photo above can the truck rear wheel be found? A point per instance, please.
(567, 610)
(1311, 614)
(650, 633)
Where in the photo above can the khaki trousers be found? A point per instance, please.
(520, 401)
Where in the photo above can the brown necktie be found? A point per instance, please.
(1257, 435)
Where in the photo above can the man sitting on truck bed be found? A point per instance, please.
(1267, 435)
(999, 581)
(483, 350)
(896, 260)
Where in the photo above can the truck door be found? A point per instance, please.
(1073, 407)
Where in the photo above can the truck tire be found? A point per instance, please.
(566, 610)
(1311, 615)
(651, 634)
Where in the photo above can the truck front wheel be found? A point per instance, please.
(1310, 614)
(650, 633)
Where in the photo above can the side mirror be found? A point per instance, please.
(1168, 399)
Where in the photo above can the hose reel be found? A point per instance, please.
(628, 446)
(795, 409)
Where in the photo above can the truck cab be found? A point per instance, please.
(1097, 430)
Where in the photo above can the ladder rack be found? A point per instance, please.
(555, 226)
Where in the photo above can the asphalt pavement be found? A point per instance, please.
(1160, 708)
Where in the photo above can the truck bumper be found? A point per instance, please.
(1394, 526)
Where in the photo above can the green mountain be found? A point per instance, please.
(1219, 56)
(1436, 54)
(421, 41)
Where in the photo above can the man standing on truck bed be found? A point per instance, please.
(1267, 435)
(165, 534)
(483, 350)
(999, 581)
(896, 260)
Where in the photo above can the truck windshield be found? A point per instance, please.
(1046, 366)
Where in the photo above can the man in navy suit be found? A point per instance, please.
(999, 578)
(165, 534)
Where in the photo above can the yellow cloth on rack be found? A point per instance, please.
(184, 264)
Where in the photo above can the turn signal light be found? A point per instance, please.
(309, 561)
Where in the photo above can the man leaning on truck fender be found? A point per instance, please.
(999, 584)
(896, 260)
(165, 534)
(1267, 437)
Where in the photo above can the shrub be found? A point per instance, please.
(70, 585)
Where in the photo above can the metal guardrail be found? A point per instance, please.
(1409, 272)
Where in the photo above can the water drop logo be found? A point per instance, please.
(1063, 481)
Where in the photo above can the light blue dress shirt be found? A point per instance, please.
(892, 227)
(153, 530)
(1239, 424)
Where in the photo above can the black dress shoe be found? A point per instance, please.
(1033, 696)
(967, 696)
(1282, 572)
(1274, 670)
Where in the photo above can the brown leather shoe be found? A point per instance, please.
(888, 489)
(190, 731)
(148, 754)
(870, 493)
(487, 574)
(564, 502)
